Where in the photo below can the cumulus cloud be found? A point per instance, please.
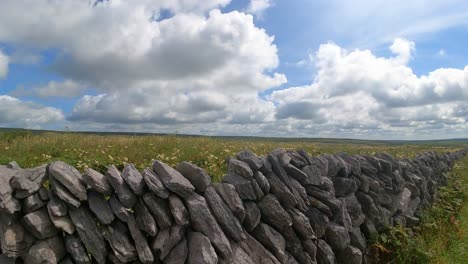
(197, 64)
(17, 113)
(3, 65)
(257, 7)
(356, 91)
(62, 89)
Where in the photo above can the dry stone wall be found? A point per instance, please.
(284, 208)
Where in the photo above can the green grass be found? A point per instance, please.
(99, 150)
(442, 235)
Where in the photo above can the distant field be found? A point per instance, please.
(97, 150)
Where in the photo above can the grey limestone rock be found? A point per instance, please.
(154, 183)
(196, 175)
(141, 244)
(117, 207)
(75, 248)
(325, 253)
(119, 240)
(240, 168)
(200, 250)
(69, 177)
(173, 180)
(228, 223)
(97, 181)
(250, 158)
(271, 240)
(89, 233)
(243, 186)
(134, 179)
(252, 216)
(159, 208)
(273, 213)
(123, 191)
(178, 210)
(230, 196)
(48, 251)
(100, 207)
(144, 219)
(203, 221)
(39, 224)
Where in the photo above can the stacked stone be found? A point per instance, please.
(284, 208)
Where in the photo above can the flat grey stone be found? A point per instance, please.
(271, 240)
(100, 207)
(325, 253)
(203, 221)
(178, 210)
(166, 240)
(32, 203)
(123, 191)
(89, 233)
(15, 240)
(262, 182)
(56, 206)
(252, 216)
(69, 177)
(243, 186)
(97, 181)
(48, 251)
(240, 168)
(144, 219)
(200, 250)
(134, 179)
(230, 196)
(39, 224)
(154, 183)
(178, 254)
(250, 158)
(229, 224)
(273, 213)
(117, 207)
(141, 244)
(76, 249)
(173, 180)
(119, 240)
(28, 181)
(159, 208)
(196, 175)
(64, 194)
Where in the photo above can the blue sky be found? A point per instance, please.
(305, 68)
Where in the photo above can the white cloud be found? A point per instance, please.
(441, 53)
(370, 23)
(63, 89)
(195, 65)
(357, 92)
(4, 60)
(17, 113)
(257, 7)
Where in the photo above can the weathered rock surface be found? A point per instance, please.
(141, 244)
(232, 199)
(118, 209)
(39, 224)
(271, 240)
(229, 224)
(15, 240)
(27, 182)
(75, 248)
(173, 180)
(97, 181)
(144, 219)
(178, 210)
(159, 208)
(200, 250)
(69, 177)
(119, 241)
(100, 207)
(134, 179)
(240, 168)
(252, 216)
(154, 183)
(89, 233)
(196, 175)
(243, 186)
(203, 221)
(123, 191)
(273, 213)
(48, 251)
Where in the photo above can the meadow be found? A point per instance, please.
(33, 148)
(442, 237)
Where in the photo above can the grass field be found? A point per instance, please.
(442, 238)
(30, 148)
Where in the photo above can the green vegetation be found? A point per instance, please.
(98, 150)
(442, 236)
